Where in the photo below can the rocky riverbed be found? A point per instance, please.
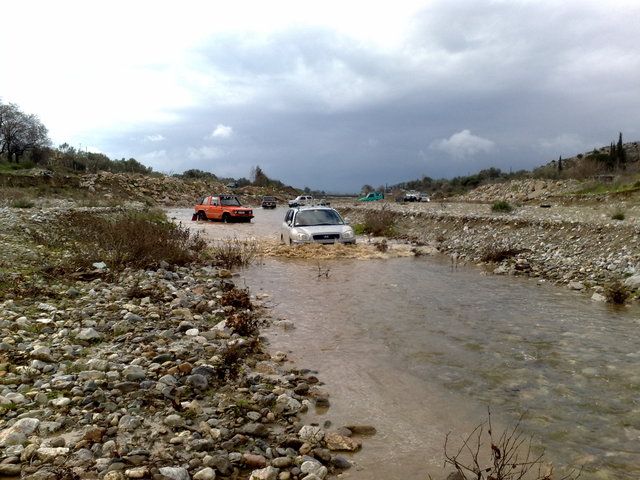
(149, 373)
(577, 246)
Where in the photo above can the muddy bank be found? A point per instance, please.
(582, 248)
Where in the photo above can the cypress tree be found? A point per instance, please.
(560, 163)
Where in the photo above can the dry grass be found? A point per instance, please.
(233, 253)
(380, 222)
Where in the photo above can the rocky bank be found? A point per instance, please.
(151, 374)
(578, 246)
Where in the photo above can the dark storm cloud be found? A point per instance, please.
(476, 84)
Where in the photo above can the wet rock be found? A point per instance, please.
(337, 442)
(340, 463)
(362, 429)
(576, 286)
(312, 467)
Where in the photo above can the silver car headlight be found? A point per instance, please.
(348, 234)
(303, 236)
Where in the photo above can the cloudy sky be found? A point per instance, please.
(327, 94)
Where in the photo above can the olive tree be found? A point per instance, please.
(20, 132)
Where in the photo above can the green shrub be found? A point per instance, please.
(22, 203)
(501, 206)
(617, 292)
(617, 215)
(121, 240)
(358, 229)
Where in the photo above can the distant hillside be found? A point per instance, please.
(604, 163)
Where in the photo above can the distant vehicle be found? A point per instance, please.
(226, 208)
(424, 197)
(269, 202)
(301, 200)
(232, 185)
(411, 196)
(372, 197)
(315, 224)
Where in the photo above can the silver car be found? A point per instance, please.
(315, 224)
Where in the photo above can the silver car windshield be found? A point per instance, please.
(308, 218)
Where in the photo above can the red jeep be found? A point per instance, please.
(226, 208)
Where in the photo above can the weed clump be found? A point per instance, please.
(617, 215)
(236, 298)
(617, 292)
(22, 203)
(501, 206)
(380, 222)
(495, 254)
(233, 253)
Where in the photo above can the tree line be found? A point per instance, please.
(25, 143)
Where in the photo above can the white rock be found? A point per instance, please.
(598, 297)
(207, 473)
(633, 281)
(268, 473)
(51, 453)
(175, 473)
(311, 434)
(24, 426)
(88, 334)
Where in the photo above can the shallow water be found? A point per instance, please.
(418, 349)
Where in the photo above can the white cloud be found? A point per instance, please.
(221, 131)
(154, 138)
(203, 153)
(463, 144)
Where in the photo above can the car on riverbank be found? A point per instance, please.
(225, 208)
(269, 202)
(372, 197)
(315, 224)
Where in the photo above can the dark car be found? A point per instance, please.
(269, 202)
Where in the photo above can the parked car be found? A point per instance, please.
(269, 202)
(226, 208)
(424, 197)
(301, 200)
(315, 224)
(411, 196)
(372, 197)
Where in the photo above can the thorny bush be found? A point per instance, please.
(510, 455)
(233, 253)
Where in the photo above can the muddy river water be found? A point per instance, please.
(418, 348)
